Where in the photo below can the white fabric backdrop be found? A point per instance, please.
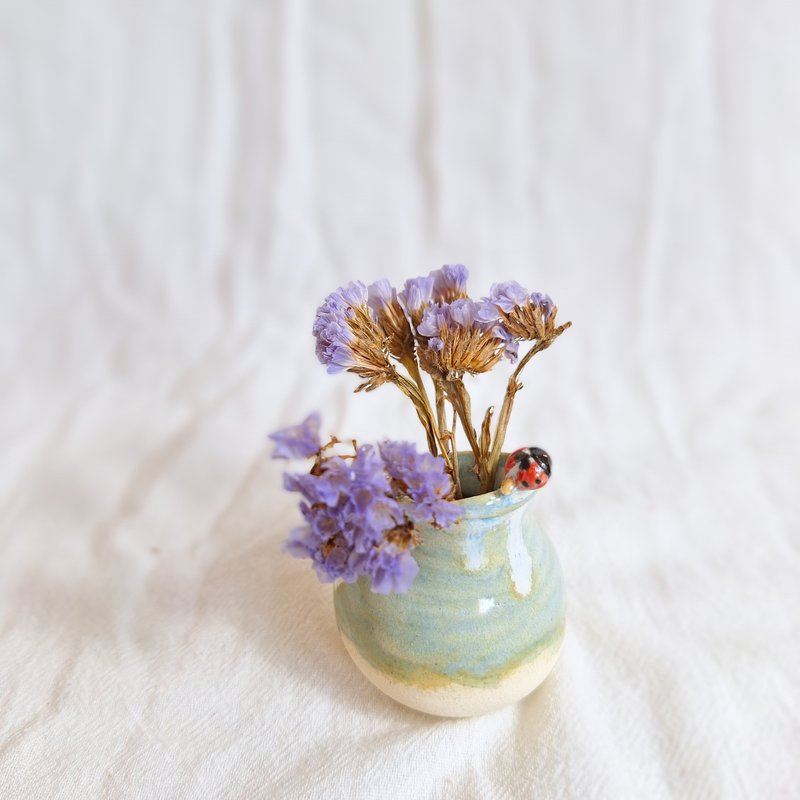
(182, 182)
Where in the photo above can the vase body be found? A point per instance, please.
(481, 626)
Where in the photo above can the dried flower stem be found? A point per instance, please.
(450, 436)
(419, 396)
(422, 407)
(459, 398)
(508, 403)
(410, 363)
(441, 412)
(456, 471)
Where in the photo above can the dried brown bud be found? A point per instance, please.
(369, 350)
(463, 349)
(396, 330)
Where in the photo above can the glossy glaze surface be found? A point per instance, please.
(486, 608)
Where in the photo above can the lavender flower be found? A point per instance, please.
(391, 319)
(325, 486)
(350, 516)
(421, 476)
(510, 344)
(502, 297)
(380, 295)
(360, 512)
(348, 510)
(544, 302)
(463, 312)
(373, 510)
(298, 441)
(450, 283)
(441, 286)
(448, 316)
(508, 296)
(391, 569)
(458, 341)
(332, 329)
(416, 296)
(349, 337)
(435, 320)
(517, 314)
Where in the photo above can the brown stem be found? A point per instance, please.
(459, 398)
(419, 397)
(450, 437)
(438, 429)
(456, 471)
(410, 363)
(508, 401)
(422, 409)
(441, 412)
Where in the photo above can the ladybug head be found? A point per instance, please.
(542, 458)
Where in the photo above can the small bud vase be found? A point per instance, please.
(483, 623)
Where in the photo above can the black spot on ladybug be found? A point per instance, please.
(525, 484)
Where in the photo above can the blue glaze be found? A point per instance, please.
(488, 598)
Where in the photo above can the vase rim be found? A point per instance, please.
(489, 504)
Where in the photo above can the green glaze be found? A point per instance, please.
(488, 599)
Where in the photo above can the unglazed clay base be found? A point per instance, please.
(456, 700)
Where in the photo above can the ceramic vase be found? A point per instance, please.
(483, 623)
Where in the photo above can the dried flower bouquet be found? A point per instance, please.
(362, 508)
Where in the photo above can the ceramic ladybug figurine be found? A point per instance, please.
(526, 469)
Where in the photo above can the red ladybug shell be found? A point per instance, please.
(529, 467)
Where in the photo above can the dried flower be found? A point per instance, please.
(524, 315)
(389, 314)
(422, 478)
(450, 283)
(457, 341)
(347, 510)
(503, 296)
(391, 569)
(544, 302)
(442, 285)
(298, 441)
(334, 336)
(349, 338)
(416, 297)
(361, 511)
(510, 344)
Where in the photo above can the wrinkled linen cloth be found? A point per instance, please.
(184, 182)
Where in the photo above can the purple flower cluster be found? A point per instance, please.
(502, 296)
(298, 441)
(358, 327)
(416, 296)
(442, 311)
(421, 476)
(510, 295)
(450, 283)
(332, 330)
(436, 305)
(440, 286)
(360, 512)
(443, 317)
(380, 295)
(511, 299)
(544, 302)
(347, 511)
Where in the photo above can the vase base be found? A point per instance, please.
(457, 700)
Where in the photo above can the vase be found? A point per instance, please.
(483, 623)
